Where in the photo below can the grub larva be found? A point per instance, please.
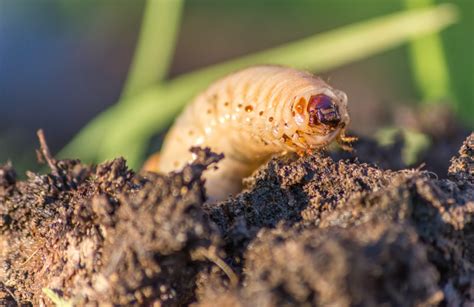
(251, 115)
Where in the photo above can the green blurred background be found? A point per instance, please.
(64, 62)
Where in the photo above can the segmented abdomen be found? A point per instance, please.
(246, 115)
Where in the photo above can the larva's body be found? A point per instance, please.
(251, 115)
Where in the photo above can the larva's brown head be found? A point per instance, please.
(321, 116)
(322, 110)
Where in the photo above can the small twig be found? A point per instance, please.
(421, 167)
(45, 151)
(30, 257)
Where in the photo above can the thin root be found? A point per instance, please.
(211, 255)
(30, 257)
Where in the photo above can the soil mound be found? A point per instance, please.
(312, 230)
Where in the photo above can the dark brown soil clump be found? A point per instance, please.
(314, 230)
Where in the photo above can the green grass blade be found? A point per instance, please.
(429, 67)
(337, 47)
(155, 45)
(149, 66)
(152, 110)
(56, 299)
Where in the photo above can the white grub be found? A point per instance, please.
(249, 116)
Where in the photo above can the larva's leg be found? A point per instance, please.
(346, 147)
(345, 141)
(302, 153)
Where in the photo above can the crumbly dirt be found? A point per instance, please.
(342, 229)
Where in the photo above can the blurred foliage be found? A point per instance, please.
(126, 128)
(414, 142)
(429, 65)
(155, 46)
(130, 126)
(459, 45)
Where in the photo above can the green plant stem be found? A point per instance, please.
(429, 67)
(151, 111)
(150, 64)
(155, 47)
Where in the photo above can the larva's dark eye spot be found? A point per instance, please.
(226, 104)
(239, 105)
(260, 113)
(270, 119)
(322, 110)
(248, 108)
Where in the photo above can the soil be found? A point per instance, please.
(355, 229)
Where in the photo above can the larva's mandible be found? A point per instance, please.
(251, 115)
